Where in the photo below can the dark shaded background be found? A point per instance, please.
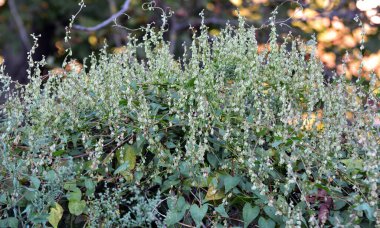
(331, 20)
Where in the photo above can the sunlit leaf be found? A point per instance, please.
(77, 207)
(214, 194)
(55, 215)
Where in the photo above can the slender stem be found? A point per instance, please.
(113, 17)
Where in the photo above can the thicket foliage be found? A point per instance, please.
(229, 135)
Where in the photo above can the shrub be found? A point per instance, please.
(228, 136)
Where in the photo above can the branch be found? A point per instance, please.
(123, 9)
(20, 26)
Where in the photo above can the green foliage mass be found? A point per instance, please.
(226, 136)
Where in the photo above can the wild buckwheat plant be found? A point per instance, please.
(230, 135)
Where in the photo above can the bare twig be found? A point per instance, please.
(111, 19)
(20, 26)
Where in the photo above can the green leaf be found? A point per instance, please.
(90, 186)
(249, 213)
(30, 195)
(178, 208)
(353, 163)
(58, 153)
(276, 143)
(266, 223)
(74, 195)
(35, 182)
(220, 209)
(231, 182)
(271, 212)
(367, 209)
(177, 204)
(138, 175)
(121, 168)
(170, 145)
(157, 180)
(39, 218)
(11, 222)
(198, 213)
(123, 102)
(339, 204)
(173, 217)
(77, 207)
(3, 199)
(322, 187)
(70, 186)
(181, 203)
(281, 202)
(213, 160)
(190, 83)
(55, 215)
(51, 176)
(168, 184)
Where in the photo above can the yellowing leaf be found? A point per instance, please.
(127, 154)
(214, 194)
(55, 215)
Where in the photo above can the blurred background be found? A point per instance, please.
(332, 21)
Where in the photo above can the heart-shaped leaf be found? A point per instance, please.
(74, 195)
(369, 211)
(126, 159)
(271, 212)
(230, 182)
(11, 222)
(213, 194)
(121, 168)
(35, 182)
(198, 213)
(77, 207)
(90, 186)
(55, 215)
(178, 208)
(174, 216)
(249, 213)
(266, 223)
(220, 209)
(127, 154)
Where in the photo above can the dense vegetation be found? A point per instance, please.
(331, 21)
(229, 135)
